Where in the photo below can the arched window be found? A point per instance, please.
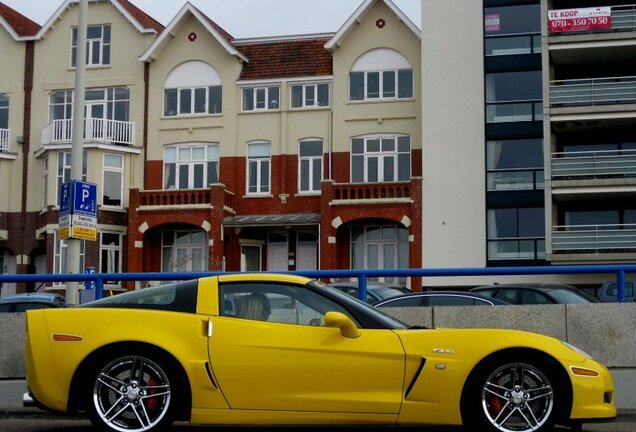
(381, 74)
(192, 88)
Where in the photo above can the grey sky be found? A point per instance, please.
(242, 18)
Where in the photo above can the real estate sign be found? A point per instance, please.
(584, 19)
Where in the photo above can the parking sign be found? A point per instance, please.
(84, 199)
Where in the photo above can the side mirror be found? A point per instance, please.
(343, 322)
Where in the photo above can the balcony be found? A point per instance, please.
(216, 196)
(515, 179)
(516, 249)
(593, 239)
(593, 92)
(96, 130)
(365, 192)
(593, 165)
(5, 135)
(514, 111)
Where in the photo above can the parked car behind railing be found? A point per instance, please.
(529, 293)
(609, 292)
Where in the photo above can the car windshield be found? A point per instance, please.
(569, 296)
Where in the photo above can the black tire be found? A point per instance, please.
(513, 394)
(131, 393)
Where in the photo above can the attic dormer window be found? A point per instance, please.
(381, 74)
(97, 45)
(193, 88)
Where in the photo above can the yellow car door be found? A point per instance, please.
(285, 366)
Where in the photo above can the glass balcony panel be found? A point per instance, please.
(604, 163)
(514, 180)
(594, 238)
(511, 45)
(509, 112)
(516, 249)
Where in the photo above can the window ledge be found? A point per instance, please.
(258, 196)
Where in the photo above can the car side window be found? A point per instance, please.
(412, 301)
(5, 307)
(533, 297)
(450, 301)
(508, 295)
(274, 302)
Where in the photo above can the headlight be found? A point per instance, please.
(575, 349)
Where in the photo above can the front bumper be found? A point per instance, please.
(592, 396)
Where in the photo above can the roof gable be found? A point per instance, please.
(223, 37)
(17, 24)
(286, 59)
(143, 22)
(362, 10)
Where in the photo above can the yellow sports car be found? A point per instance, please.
(282, 349)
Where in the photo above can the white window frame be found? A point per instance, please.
(190, 247)
(59, 255)
(176, 155)
(4, 129)
(306, 102)
(260, 163)
(309, 160)
(380, 155)
(45, 182)
(382, 95)
(64, 171)
(193, 112)
(116, 170)
(117, 249)
(92, 44)
(269, 104)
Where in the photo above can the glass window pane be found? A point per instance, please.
(213, 172)
(260, 98)
(106, 54)
(199, 100)
(357, 146)
(198, 176)
(215, 105)
(388, 168)
(265, 176)
(258, 150)
(304, 175)
(357, 169)
(111, 190)
(405, 83)
(404, 167)
(311, 148)
(531, 222)
(513, 19)
(297, 96)
(170, 102)
(356, 86)
(198, 153)
(273, 99)
(513, 86)
(388, 84)
(372, 169)
(316, 173)
(323, 94)
(373, 85)
(185, 101)
(184, 174)
(248, 99)
(310, 95)
(113, 161)
(373, 145)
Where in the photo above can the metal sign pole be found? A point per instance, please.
(77, 150)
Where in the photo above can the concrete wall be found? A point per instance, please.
(606, 331)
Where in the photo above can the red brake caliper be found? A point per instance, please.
(151, 403)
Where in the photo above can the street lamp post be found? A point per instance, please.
(72, 264)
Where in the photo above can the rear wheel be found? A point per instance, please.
(131, 393)
(512, 396)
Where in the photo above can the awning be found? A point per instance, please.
(272, 220)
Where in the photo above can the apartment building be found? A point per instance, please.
(210, 153)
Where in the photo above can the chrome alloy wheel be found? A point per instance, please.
(131, 394)
(517, 397)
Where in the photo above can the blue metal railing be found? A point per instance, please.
(361, 274)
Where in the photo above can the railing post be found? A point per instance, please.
(362, 287)
(99, 288)
(620, 286)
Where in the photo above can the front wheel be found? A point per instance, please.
(515, 396)
(131, 393)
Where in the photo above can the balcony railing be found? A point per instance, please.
(515, 179)
(596, 164)
(95, 130)
(514, 111)
(593, 91)
(516, 249)
(5, 135)
(365, 191)
(594, 238)
(177, 197)
(516, 44)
